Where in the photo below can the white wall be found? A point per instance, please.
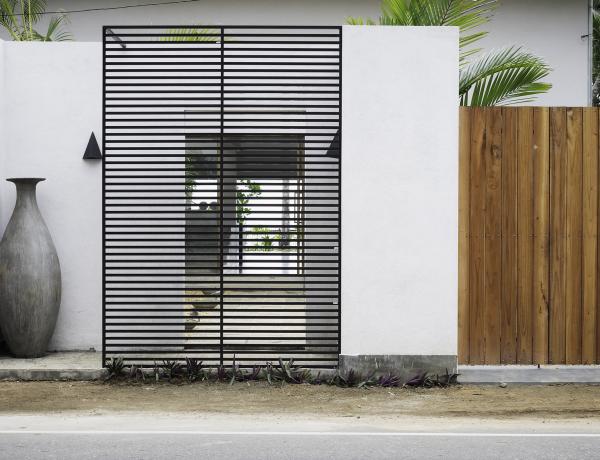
(399, 191)
(2, 110)
(551, 29)
(399, 182)
(52, 101)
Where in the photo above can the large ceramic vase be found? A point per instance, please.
(29, 277)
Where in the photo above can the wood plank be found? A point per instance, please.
(524, 286)
(493, 232)
(477, 237)
(463, 233)
(558, 194)
(590, 236)
(509, 276)
(541, 231)
(574, 224)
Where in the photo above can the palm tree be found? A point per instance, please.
(19, 17)
(596, 53)
(507, 76)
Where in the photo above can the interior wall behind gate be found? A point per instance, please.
(528, 235)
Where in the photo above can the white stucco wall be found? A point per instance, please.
(399, 182)
(399, 191)
(2, 134)
(52, 101)
(550, 28)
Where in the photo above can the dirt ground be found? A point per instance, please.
(548, 401)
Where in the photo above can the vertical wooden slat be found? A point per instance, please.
(574, 224)
(590, 235)
(508, 331)
(558, 156)
(464, 168)
(477, 240)
(493, 230)
(541, 231)
(525, 240)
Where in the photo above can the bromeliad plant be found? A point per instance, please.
(507, 76)
(18, 18)
(282, 372)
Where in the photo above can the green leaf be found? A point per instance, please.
(508, 76)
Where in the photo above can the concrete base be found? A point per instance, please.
(404, 366)
(73, 365)
(529, 374)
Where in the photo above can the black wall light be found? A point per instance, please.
(92, 151)
(334, 148)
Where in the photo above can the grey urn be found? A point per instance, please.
(30, 281)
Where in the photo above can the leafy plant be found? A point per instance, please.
(18, 18)
(193, 369)
(351, 379)
(254, 374)
(191, 34)
(136, 372)
(221, 374)
(507, 76)
(245, 191)
(596, 52)
(446, 379)
(389, 380)
(171, 369)
(115, 367)
(287, 372)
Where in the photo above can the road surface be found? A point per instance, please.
(181, 436)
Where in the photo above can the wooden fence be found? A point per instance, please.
(528, 236)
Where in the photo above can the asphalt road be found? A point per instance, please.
(232, 446)
(159, 435)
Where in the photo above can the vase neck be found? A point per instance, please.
(26, 187)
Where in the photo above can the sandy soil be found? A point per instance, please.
(548, 401)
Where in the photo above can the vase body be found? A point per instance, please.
(30, 281)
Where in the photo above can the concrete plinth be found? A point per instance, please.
(73, 365)
(404, 366)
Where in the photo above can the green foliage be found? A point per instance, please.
(18, 18)
(171, 369)
(284, 371)
(287, 372)
(351, 379)
(506, 76)
(193, 369)
(467, 15)
(245, 191)
(191, 34)
(596, 53)
(510, 75)
(115, 367)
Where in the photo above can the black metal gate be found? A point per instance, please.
(221, 194)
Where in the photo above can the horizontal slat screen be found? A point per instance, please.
(222, 194)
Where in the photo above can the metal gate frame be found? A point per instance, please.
(129, 68)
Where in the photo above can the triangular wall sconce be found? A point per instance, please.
(334, 148)
(92, 151)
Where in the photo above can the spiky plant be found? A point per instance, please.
(510, 75)
(193, 369)
(18, 18)
(115, 367)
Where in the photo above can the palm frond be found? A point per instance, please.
(191, 34)
(56, 31)
(464, 14)
(508, 76)
(19, 17)
(8, 18)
